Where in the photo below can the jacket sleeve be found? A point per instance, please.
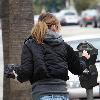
(25, 71)
(75, 64)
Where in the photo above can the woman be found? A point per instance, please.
(46, 59)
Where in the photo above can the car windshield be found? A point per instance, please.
(95, 42)
(69, 13)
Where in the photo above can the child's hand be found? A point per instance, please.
(85, 54)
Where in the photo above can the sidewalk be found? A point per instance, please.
(1, 67)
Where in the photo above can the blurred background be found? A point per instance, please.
(80, 21)
(74, 12)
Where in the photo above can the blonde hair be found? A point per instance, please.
(39, 31)
(44, 23)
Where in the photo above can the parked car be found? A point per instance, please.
(67, 17)
(88, 17)
(96, 22)
(74, 88)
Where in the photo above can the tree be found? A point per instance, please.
(84, 4)
(49, 5)
(17, 21)
(0, 8)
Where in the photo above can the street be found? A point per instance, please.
(66, 31)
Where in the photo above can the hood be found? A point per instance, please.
(53, 38)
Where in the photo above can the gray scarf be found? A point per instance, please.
(53, 38)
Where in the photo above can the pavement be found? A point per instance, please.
(1, 67)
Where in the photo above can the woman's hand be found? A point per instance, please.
(15, 74)
(85, 54)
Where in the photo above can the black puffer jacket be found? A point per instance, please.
(47, 60)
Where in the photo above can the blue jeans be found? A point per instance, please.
(53, 97)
